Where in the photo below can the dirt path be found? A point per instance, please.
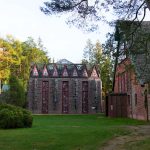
(137, 133)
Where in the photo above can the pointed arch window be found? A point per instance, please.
(45, 72)
(35, 71)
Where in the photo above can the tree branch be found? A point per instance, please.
(135, 30)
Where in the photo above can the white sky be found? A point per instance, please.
(23, 18)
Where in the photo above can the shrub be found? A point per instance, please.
(14, 117)
(27, 118)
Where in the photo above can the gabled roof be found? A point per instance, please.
(63, 70)
(55, 71)
(94, 72)
(141, 63)
(75, 72)
(45, 72)
(35, 71)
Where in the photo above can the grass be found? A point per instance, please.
(65, 132)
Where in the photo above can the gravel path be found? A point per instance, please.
(137, 133)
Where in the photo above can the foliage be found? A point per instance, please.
(134, 43)
(85, 13)
(88, 52)
(66, 132)
(93, 54)
(14, 117)
(15, 60)
(131, 40)
(109, 47)
(17, 92)
(7, 55)
(27, 118)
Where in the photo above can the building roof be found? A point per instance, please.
(60, 70)
(141, 63)
(64, 61)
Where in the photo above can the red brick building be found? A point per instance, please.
(132, 76)
(64, 87)
(134, 83)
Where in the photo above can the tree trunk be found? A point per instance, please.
(115, 66)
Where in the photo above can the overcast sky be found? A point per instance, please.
(23, 18)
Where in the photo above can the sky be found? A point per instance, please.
(23, 18)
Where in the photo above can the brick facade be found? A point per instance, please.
(58, 88)
(126, 82)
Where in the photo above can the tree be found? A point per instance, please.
(85, 13)
(136, 46)
(93, 54)
(15, 60)
(32, 49)
(17, 92)
(88, 52)
(131, 40)
(8, 59)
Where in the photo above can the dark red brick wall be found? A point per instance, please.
(55, 95)
(126, 82)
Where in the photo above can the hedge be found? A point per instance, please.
(14, 117)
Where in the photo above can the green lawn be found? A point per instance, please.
(65, 132)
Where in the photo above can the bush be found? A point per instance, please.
(27, 118)
(14, 117)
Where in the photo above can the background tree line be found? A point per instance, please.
(95, 54)
(15, 60)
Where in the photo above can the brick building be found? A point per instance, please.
(133, 72)
(64, 87)
(138, 92)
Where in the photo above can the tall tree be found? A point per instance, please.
(32, 49)
(88, 52)
(94, 55)
(8, 59)
(32, 53)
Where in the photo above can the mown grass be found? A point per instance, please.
(65, 132)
